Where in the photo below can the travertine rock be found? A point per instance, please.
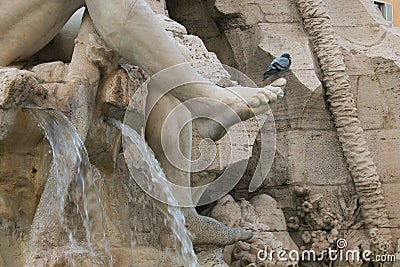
(16, 86)
(263, 216)
(308, 150)
(142, 256)
(338, 89)
(211, 257)
(245, 34)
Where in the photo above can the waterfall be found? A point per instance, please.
(134, 144)
(76, 184)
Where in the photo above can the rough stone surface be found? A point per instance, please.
(142, 256)
(16, 86)
(308, 149)
(253, 32)
(309, 179)
(263, 216)
(211, 257)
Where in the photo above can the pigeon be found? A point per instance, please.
(278, 66)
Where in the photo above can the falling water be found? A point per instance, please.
(173, 215)
(75, 181)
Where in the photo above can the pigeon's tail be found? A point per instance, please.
(268, 73)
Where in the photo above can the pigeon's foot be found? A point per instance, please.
(233, 105)
(208, 231)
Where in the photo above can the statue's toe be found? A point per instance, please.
(244, 235)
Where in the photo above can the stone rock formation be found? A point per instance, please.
(85, 89)
(335, 173)
(262, 215)
(309, 150)
(350, 133)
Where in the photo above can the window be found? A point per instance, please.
(385, 9)
(389, 13)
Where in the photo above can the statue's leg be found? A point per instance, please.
(131, 28)
(27, 26)
(179, 134)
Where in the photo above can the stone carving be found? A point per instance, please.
(309, 151)
(82, 74)
(340, 98)
(73, 89)
(320, 224)
(245, 35)
(262, 215)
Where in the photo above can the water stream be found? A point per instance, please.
(136, 149)
(76, 184)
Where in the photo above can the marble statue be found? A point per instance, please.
(131, 29)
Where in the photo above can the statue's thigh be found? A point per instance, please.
(118, 21)
(131, 28)
(27, 26)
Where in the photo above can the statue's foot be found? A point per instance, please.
(236, 104)
(208, 231)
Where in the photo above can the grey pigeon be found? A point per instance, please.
(278, 66)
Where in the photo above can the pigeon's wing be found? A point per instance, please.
(281, 64)
(278, 65)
